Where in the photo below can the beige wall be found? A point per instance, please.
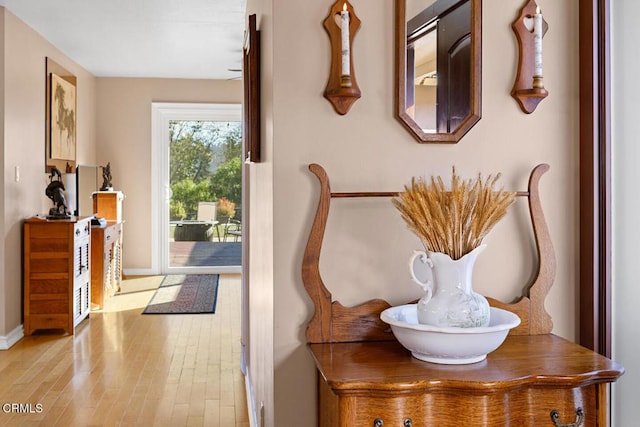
(260, 343)
(367, 246)
(124, 139)
(626, 208)
(23, 142)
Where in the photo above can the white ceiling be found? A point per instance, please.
(196, 39)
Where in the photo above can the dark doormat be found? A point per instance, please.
(185, 294)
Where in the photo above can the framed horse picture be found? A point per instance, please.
(61, 118)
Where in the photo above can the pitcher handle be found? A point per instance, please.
(428, 285)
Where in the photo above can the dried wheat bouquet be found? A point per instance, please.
(455, 220)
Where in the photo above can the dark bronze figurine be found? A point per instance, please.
(106, 178)
(55, 191)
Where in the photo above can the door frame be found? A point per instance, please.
(595, 175)
(161, 114)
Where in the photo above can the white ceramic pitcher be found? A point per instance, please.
(449, 299)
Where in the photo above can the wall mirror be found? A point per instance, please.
(438, 67)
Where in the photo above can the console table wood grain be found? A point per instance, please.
(366, 378)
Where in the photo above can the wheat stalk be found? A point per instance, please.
(456, 220)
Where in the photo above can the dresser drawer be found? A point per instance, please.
(82, 229)
(539, 404)
(525, 407)
(111, 234)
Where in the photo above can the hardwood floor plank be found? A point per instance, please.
(227, 415)
(104, 405)
(212, 413)
(180, 414)
(122, 368)
(196, 400)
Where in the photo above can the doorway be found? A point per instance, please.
(196, 220)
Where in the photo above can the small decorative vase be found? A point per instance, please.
(449, 299)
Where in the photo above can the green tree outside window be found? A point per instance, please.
(205, 165)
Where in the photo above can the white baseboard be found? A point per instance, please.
(139, 272)
(7, 341)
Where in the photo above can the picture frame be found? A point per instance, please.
(61, 118)
(251, 108)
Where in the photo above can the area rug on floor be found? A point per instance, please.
(185, 294)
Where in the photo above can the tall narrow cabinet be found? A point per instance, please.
(57, 273)
(106, 261)
(106, 246)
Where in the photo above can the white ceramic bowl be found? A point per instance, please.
(450, 345)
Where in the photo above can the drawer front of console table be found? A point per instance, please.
(523, 408)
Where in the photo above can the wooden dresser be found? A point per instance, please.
(106, 247)
(56, 273)
(367, 379)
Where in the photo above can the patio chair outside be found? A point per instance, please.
(233, 227)
(207, 211)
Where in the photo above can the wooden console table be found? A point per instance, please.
(106, 247)
(366, 378)
(106, 261)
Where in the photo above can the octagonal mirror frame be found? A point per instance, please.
(402, 76)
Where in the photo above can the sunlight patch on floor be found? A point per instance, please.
(139, 284)
(134, 293)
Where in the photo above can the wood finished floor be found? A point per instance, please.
(123, 368)
(205, 254)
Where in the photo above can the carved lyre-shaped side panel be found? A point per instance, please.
(333, 322)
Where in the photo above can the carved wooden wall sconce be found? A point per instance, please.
(342, 89)
(529, 27)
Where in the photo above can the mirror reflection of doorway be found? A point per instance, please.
(200, 173)
(439, 52)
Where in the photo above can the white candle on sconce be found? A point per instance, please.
(344, 30)
(537, 43)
